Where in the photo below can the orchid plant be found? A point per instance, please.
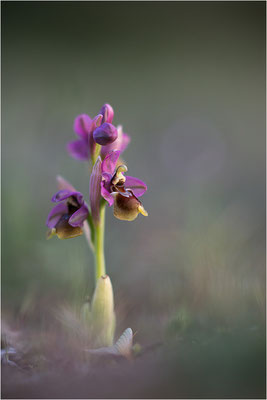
(99, 143)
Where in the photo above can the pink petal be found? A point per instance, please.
(125, 141)
(82, 125)
(79, 216)
(55, 215)
(63, 184)
(65, 194)
(106, 194)
(109, 162)
(136, 185)
(78, 149)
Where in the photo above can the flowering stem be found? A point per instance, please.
(100, 268)
(92, 227)
(96, 153)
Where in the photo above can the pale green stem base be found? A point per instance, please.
(100, 267)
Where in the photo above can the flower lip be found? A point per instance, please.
(127, 207)
(105, 134)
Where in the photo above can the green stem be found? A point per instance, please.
(96, 153)
(92, 227)
(100, 268)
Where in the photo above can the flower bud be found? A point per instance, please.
(107, 112)
(105, 134)
(102, 313)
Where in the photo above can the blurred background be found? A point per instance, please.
(187, 82)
